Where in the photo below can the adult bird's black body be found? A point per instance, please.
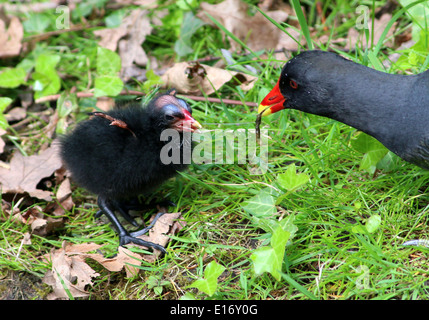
(117, 156)
(394, 109)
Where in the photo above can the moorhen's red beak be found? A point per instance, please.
(188, 123)
(273, 102)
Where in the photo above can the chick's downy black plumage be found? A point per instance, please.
(117, 155)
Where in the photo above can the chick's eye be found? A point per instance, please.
(169, 117)
(293, 84)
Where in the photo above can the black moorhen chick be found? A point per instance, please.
(394, 109)
(117, 155)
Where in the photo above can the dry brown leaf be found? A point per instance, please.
(110, 37)
(2, 143)
(124, 259)
(105, 103)
(10, 209)
(64, 190)
(256, 31)
(185, 78)
(129, 37)
(130, 49)
(167, 224)
(68, 271)
(290, 43)
(10, 38)
(64, 198)
(40, 224)
(44, 226)
(68, 263)
(146, 3)
(80, 248)
(29, 7)
(358, 37)
(26, 240)
(115, 264)
(25, 173)
(16, 114)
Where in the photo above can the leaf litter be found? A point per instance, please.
(70, 273)
(25, 173)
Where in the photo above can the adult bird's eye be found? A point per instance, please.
(169, 117)
(293, 84)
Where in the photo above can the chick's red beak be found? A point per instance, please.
(273, 102)
(188, 123)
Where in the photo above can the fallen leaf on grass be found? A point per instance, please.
(130, 49)
(256, 31)
(355, 37)
(34, 216)
(10, 37)
(44, 226)
(16, 114)
(196, 79)
(129, 37)
(2, 143)
(64, 201)
(25, 173)
(41, 220)
(150, 4)
(167, 224)
(70, 273)
(24, 7)
(124, 259)
(110, 37)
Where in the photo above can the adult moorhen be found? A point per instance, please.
(394, 109)
(117, 155)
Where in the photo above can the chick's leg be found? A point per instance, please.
(124, 236)
(124, 207)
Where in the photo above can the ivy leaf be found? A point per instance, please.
(270, 258)
(46, 79)
(155, 284)
(66, 104)
(108, 62)
(373, 150)
(287, 224)
(261, 205)
(191, 24)
(107, 82)
(108, 86)
(291, 180)
(208, 284)
(37, 23)
(152, 80)
(373, 223)
(4, 102)
(12, 77)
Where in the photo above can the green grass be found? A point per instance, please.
(330, 256)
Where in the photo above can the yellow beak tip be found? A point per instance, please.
(265, 110)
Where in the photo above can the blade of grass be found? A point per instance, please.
(302, 23)
(396, 16)
(298, 287)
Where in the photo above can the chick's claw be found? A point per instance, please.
(127, 239)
